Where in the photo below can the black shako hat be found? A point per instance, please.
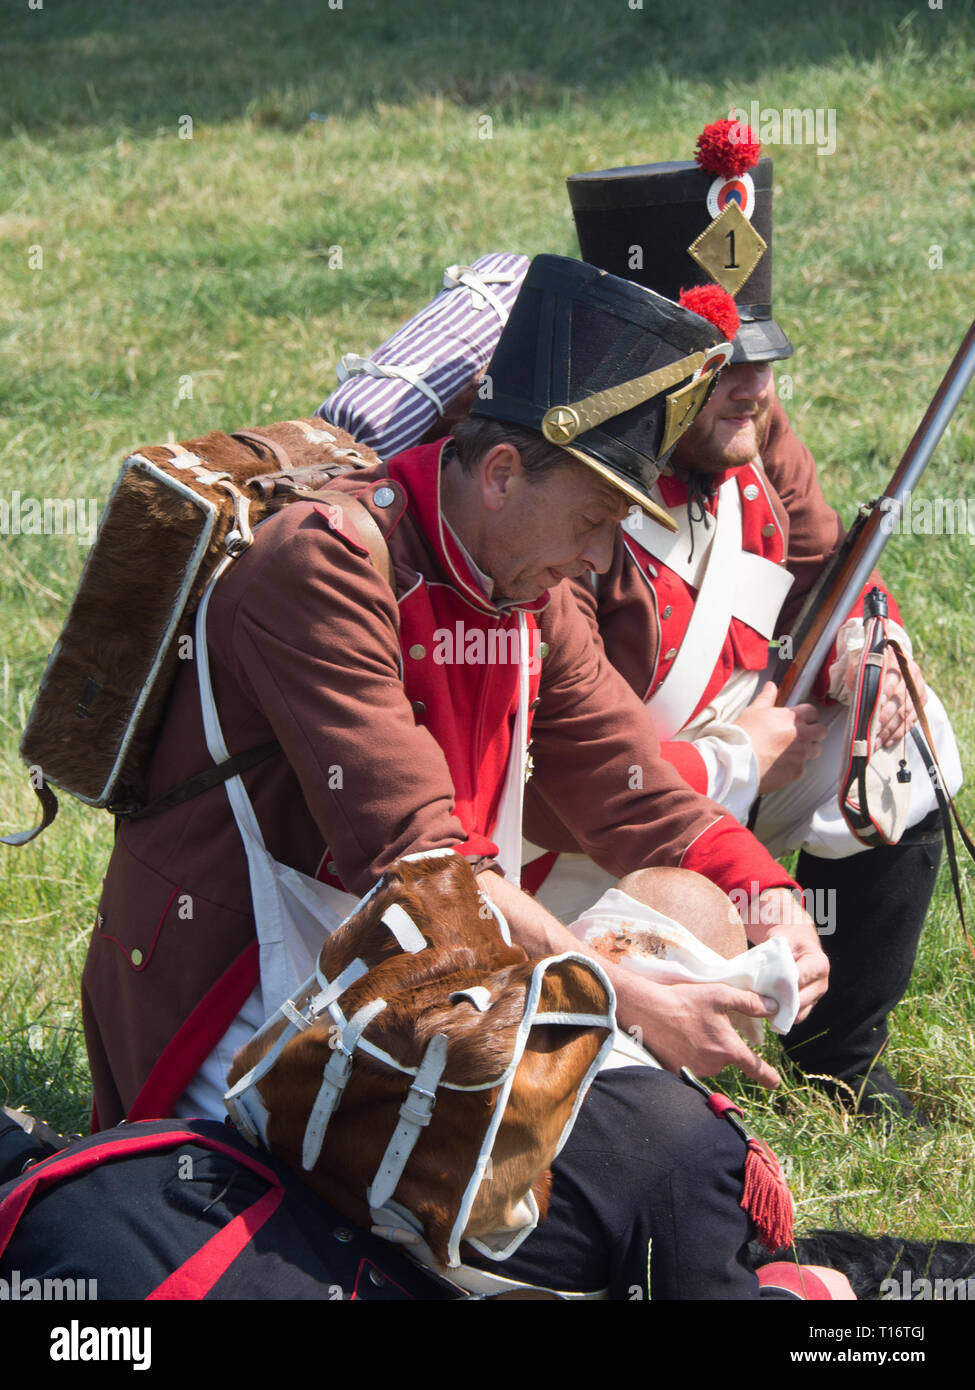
(676, 225)
(605, 369)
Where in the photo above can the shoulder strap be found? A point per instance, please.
(676, 698)
(367, 531)
(49, 809)
(200, 782)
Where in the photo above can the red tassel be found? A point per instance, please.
(767, 1198)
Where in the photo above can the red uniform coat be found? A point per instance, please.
(643, 608)
(385, 752)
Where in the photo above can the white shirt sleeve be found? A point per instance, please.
(732, 769)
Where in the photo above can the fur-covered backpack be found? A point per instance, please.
(174, 513)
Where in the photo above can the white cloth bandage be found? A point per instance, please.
(654, 945)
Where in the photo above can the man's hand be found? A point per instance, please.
(783, 740)
(683, 1025)
(897, 713)
(687, 1025)
(777, 912)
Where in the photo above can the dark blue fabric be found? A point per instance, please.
(130, 1222)
(647, 1188)
(645, 1203)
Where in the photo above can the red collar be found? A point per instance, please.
(674, 490)
(418, 473)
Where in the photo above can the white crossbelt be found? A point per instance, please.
(730, 583)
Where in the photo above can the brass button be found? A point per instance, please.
(536, 702)
(419, 707)
(668, 612)
(669, 656)
(768, 529)
(343, 1234)
(136, 957)
(543, 650)
(376, 1278)
(418, 651)
(331, 867)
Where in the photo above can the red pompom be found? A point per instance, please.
(727, 148)
(714, 304)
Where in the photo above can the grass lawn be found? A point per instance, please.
(174, 181)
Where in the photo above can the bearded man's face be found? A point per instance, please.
(727, 432)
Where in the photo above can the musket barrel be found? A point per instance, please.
(853, 568)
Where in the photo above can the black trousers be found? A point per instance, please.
(645, 1198)
(645, 1203)
(881, 899)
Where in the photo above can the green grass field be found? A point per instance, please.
(169, 210)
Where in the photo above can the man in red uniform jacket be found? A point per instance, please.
(687, 618)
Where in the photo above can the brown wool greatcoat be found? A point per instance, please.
(308, 645)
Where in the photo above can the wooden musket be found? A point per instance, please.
(826, 608)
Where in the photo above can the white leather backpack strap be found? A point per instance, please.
(507, 832)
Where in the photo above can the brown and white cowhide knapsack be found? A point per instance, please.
(175, 513)
(424, 1079)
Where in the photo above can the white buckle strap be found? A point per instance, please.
(249, 1113)
(293, 1016)
(456, 275)
(244, 1102)
(353, 365)
(404, 929)
(476, 995)
(352, 972)
(334, 1080)
(415, 1113)
(398, 1225)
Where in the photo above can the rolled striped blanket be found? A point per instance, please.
(390, 400)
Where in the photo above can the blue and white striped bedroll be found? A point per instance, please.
(391, 399)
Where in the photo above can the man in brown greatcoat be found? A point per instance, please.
(404, 720)
(389, 750)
